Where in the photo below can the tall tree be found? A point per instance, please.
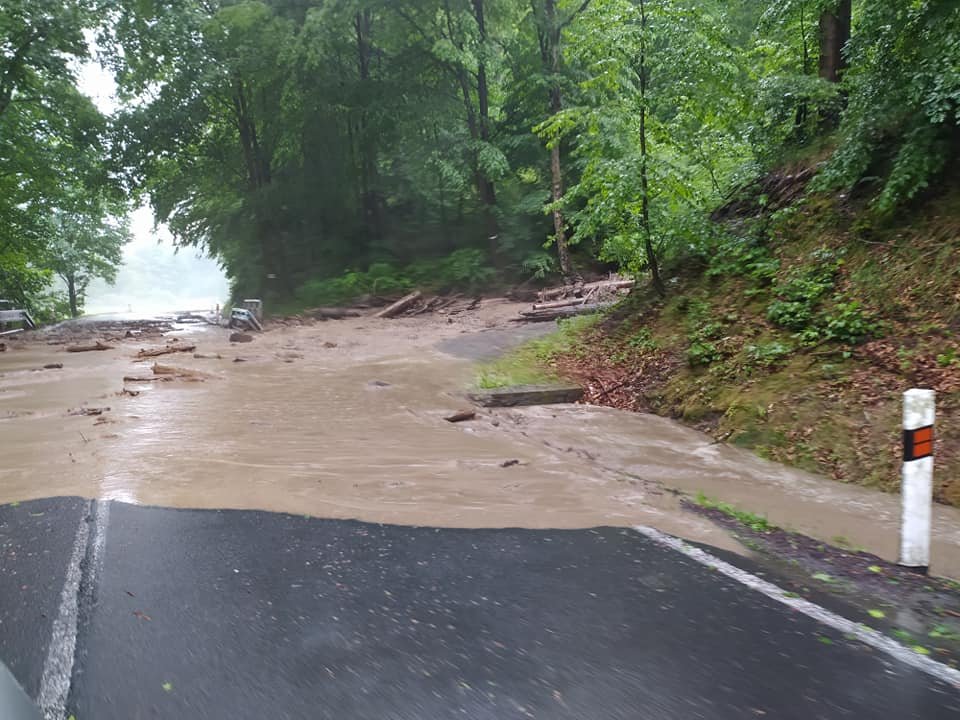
(641, 71)
(52, 144)
(84, 247)
(659, 133)
(551, 22)
(835, 22)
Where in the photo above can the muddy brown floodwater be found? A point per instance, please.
(344, 419)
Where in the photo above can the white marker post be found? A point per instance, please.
(917, 488)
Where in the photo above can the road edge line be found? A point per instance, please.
(866, 635)
(58, 663)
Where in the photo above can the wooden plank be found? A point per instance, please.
(400, 305)
(527, 395)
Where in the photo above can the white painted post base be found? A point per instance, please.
(917, 485)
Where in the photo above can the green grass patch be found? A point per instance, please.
(534, 363)
(755, 522)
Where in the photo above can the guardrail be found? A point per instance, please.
(21, 316)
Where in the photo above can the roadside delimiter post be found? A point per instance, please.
(917, 479)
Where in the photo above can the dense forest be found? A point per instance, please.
(324, 148)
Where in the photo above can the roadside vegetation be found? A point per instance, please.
(797, 343)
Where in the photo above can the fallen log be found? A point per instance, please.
(428, 306)
(560, 303)
(400, 305)
(528, 395)
(562, 312)
(161, 378)
(179, 373)
(559, 292)
(461, 416)
(88, 348)
(157, 352)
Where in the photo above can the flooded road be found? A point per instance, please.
(344, 419)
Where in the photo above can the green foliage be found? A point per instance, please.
(900, 126)
(643, 341)
(311, 139)
(768, 354)
(745, 257)
(538, 265)
(799, 296)
(53, 170)
(465, 269)
(847, 323)
(702, 332)
(948, 358)
(702, 352)
(379, 279)
(801, 305)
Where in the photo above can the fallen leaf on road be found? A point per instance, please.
(142, 615)
(168, 686)
(877, 613)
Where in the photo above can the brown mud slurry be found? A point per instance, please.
(345, 419)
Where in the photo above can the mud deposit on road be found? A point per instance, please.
(344, 419)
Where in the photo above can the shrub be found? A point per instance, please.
(702, 353)
(768, 354)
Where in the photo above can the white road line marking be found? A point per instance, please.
(58, 665)
(864, 634)
(99, 541)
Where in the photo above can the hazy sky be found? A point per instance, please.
(154, 278)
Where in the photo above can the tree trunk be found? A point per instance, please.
(644, 181)
(834, 34)
(370, 202)
(800, 119)
(560, 233)
(550, 54)
(72, 293)
(487, 190)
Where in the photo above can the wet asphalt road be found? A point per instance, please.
(241, 614)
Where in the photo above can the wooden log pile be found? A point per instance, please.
(577, 299)
(416, 303)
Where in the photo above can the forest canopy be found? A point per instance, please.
(323, 148)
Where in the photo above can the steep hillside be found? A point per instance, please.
(795, 333)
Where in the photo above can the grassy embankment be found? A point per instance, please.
(793, 336)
